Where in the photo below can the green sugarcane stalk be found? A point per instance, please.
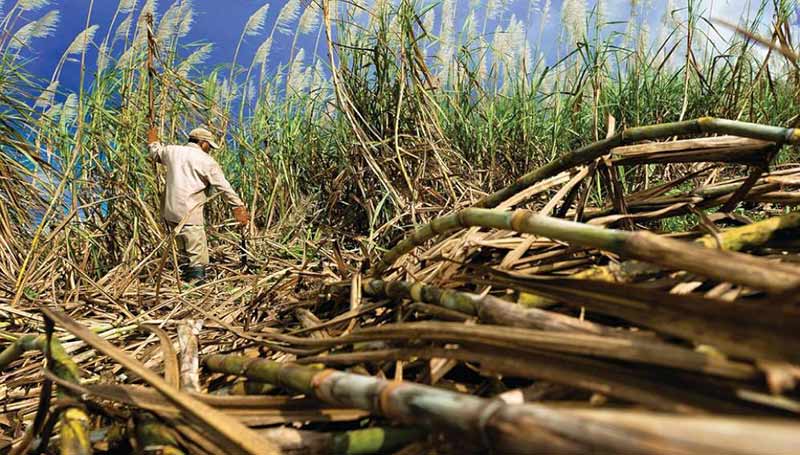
(63, 366)
(510, 428)
(23, 344)
(757, 273)
(622, 382)
(374, 440)
(735, 239)
(407, 402)
(366, 441)
(75, 422)
(588, 153)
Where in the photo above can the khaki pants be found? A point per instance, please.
(192, 245)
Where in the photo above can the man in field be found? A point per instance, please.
(191, 172)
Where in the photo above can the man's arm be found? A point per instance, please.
(216, 178)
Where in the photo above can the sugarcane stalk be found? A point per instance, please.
(374, 440)
(439, 312)
(488, 308)
(588, 153)
(407, 402)
(622, 382)
(757, 273)
(518, 428)
(63, 366)
(735, 239)
(566, 161)
(16, 349)
(151, 44)
(75, 422)
(366, 441)
(720, 149)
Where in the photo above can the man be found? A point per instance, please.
(191, 171)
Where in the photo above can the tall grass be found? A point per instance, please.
(412, 114)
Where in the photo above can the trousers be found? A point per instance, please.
(192, 245)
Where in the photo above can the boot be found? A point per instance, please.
(194, 275)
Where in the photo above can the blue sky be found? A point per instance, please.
(221, 21)
(217, 21)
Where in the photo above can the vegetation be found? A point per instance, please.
(415, 115)
(401, 114)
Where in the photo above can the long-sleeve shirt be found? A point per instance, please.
(190, 171)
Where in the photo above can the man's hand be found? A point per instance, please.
(152, 136)
(241, 215)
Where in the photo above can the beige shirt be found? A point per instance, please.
(190, 171)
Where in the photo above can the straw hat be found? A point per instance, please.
(202, 134)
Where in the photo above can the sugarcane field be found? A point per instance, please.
(402, 227)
